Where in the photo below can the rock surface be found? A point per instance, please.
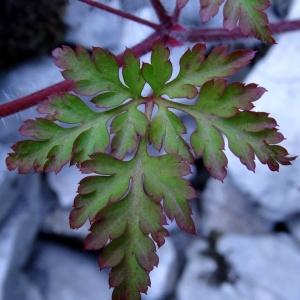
(91, 27)
(294, 226)
(133, 33)
(226, 210)
(262, 267)
(8, 185)
(199, 271)
(18, 233)
(268, 264)
(65, 185)
(65, 274)
(133, 5)
(57, 223)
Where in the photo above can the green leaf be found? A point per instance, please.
(166, 129)
(196, 69)
(168, 185)
(223, 110)
(127, 127)
(123, 204)
(166, 132)
(248, 15)
(132, 74)
(160, 70)
(97, 191)
(54, 145)
(99, 74)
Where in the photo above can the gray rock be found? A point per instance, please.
(133, 5)
(64, 274)
(18, 232)
(226, 210)
(262, 267)
(8, 185)
(133, 33)
(294, 226)
(269, 265)
(26, 290)
(65, 185)
(278, 72)
(281, 8)
(57, 223)
(22, 209)
(194, 283)
(90, 26)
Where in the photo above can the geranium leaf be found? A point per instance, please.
(132, 194)
(196, 69)
(224, 110)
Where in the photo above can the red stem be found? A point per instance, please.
(160, 11)
(285, 26)
(193, 35)
(23, 103)
(122, 14)
(220, 34)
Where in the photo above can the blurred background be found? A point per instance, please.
(248, 241)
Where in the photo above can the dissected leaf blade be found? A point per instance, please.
(196, 68)
(126, 217)
(52, 145)
(223, 110)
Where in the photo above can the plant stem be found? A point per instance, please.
(160, 11)
(220, 34)
(23, 103)
(122, 14)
